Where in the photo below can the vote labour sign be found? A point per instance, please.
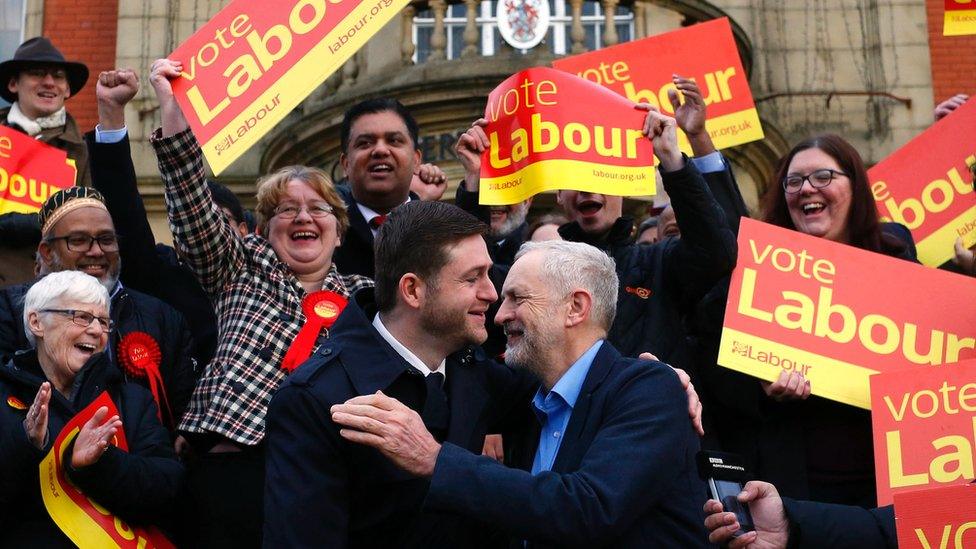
(82, 519)
(960, 17)
(924, 428)
(927, 186)
(256, 60)
(839, 314)
(641, 70)
(943, 518)
(540, 139)
(30, 172)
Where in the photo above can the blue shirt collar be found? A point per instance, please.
(568, 386)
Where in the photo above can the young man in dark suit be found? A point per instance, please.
(415, 338)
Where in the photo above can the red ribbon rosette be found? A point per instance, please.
(140, 358)
(321, 310)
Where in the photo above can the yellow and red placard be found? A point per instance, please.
(943, 518)
(927, 186)
(82, 519)
(641, 71)
(543, 138)
(256, 60)
(838, 314)
(924, 428)
(30, 172)
(960, 17)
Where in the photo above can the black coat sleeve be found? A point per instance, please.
(468, 201)
(114, 175)
(815, 524)
(706, 251)
(19, 458)
(140, 485)
(306, 490)
(725, 190)
(185, 369)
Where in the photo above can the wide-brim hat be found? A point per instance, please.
(40, 51)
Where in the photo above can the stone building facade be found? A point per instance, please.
(869, 70)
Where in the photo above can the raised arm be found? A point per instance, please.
(469, 147)
(210, 247)
(114, 175)
(706, 250)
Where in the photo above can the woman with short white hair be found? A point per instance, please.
(66, 317)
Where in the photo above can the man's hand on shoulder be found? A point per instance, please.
(388, 425)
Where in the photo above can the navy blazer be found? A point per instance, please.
(624, 476)
(324, 491)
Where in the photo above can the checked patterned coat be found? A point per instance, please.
(256, 296)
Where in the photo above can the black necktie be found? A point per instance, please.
(436, 413)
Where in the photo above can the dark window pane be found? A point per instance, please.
(457, 34)
(423, 43)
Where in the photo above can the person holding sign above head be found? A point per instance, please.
(37, 81)
(656, 282)
(120, 463)
(276, 294)
(820, 449)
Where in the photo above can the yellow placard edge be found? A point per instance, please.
(296, 84)
(829, 378)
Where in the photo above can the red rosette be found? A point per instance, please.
(321, 310)
(140, 357)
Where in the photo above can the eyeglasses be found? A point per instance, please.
(315, 209)
(40, 72)
(80, 242)
(818, 179)
(83, 318)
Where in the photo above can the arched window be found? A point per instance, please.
(557, 39)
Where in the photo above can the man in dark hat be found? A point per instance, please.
(37, 81)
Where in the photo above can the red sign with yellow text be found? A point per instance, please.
(927, 186)
(924, 428)
(641, 71)
(30, 172)
(943, 518)
(256, 60)
(82, 519)
(541, 140)
(838, 314)
(960, 17)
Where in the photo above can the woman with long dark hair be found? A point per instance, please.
(810, 447)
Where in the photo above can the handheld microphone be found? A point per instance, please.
(725, 475)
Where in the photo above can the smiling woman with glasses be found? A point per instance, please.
(820, 188)
(66, 317)
(266, 289)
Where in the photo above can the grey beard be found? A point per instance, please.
(516, 216)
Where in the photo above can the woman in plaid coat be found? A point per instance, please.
(257, 285)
